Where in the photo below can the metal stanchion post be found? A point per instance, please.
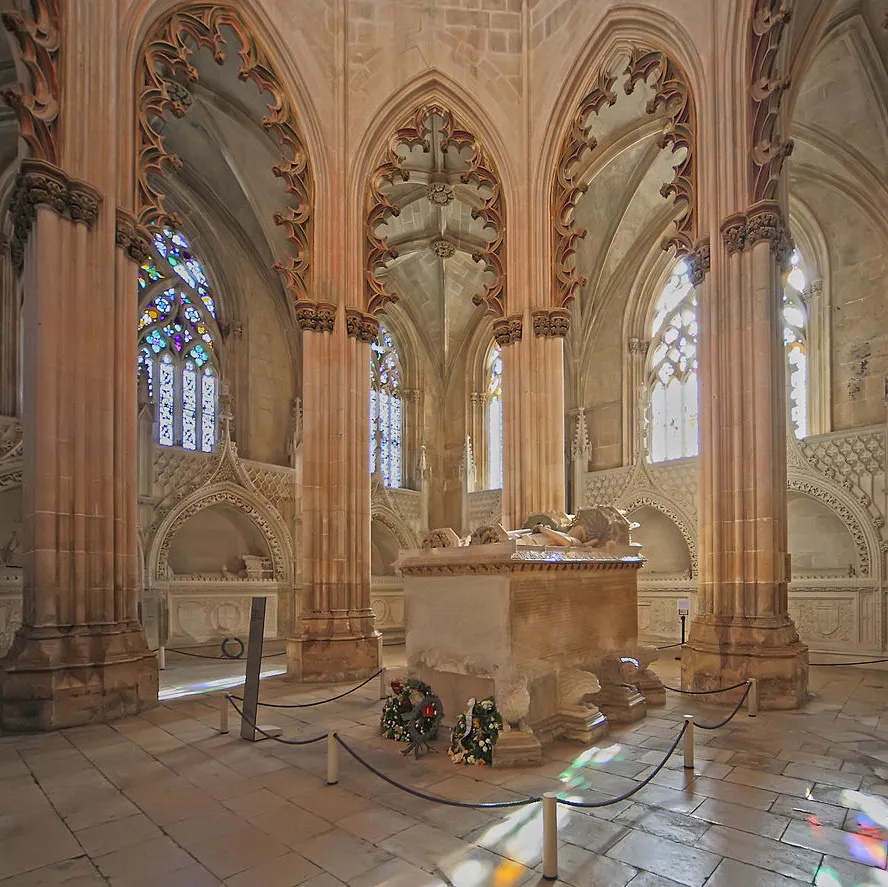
(383, 692)
(753, 697)
(689, 742)
(161, 658)
(550, 836)
(223, 713)
(332, 760)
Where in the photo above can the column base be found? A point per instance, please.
(728, 650)
(333, 659)
(52, 679)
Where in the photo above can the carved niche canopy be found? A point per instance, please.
(672, 95)
(166, 56)
(418, 132)
(37, 106)
(766, 88)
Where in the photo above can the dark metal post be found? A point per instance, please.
(254, 666)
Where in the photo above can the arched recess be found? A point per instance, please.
(405, 537)
(261, 512)
(686, 525)
(163, 66)
(673, 98)
(852, 515)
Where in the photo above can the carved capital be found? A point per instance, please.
(41, 184)
(733, 232)
(508, 330)
(361, 326)
(638, 346)
(551, 322)
(131, 237)
(319, 317)
(698, 262)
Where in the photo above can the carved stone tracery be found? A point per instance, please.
(37, 108)
(672, 95)
(165, 59)
(766, 88)
(482, 172)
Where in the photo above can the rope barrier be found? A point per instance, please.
(269, 735)
(311, 704)
(835, 664)
(639, 787)
(239, 657)
(670, 646)
(730, 717)
(705, 692)
(490, 805)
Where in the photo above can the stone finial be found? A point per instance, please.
(445, 537)
(489, 534)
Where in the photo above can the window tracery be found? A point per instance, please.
(494, 409)
(386, 409)
(672, 371)
(795, 340)
(178, 336)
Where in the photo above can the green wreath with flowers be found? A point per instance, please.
(411, 701)
(473, 742)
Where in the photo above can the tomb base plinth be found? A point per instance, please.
(723, 651)
(506, 620)
(340, 646)
(651, 688)
(517, 748)
(54, 678)
(622, 705)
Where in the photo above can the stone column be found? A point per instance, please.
(335, 637)
(743, 628)
(633, 421)
(10, 326)
(533, 412)
(80, 655)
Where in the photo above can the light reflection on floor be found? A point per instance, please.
(185, 683)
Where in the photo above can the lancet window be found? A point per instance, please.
(178, 337)
(494, 407)
(386, 409)
(795, 340)
(672, 371)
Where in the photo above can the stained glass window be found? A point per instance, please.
(386, 415)
(178, 334)
(672, 371)
(494, 395)
(795, 319)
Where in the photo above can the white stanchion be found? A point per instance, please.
(688, 743)
(161, 658)
(753, 697)
(383, 684)
(332, 760)
(223, 713)
(550, 836)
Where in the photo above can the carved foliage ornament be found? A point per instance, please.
(361, 326)
(766, 88)
(508, 330)
(672, 95)
(316, 316)
(37, 107)
(165, 57)
(132, 238)
(552, 322)
(481, 172)
(40, 184)
(764, 221)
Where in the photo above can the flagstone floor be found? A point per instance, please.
(775, 801)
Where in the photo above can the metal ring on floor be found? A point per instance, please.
(226, 654)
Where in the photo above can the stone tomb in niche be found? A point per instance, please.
(551, 631)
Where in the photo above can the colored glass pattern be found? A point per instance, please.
(495, 418)
(177, 342)
(672, 372)
(795, 321)
(386, 414)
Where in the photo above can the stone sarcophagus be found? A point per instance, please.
(527, 617)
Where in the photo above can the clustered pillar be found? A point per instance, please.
(335, 637)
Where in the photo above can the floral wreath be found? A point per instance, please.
(476, 733)
(415, 704)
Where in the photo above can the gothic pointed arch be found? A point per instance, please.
(164, 66)
(434, 128)
(685, 523)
